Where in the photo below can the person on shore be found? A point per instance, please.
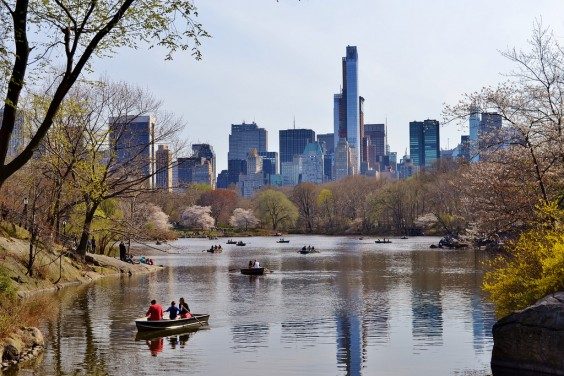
(122, 251)
(172, 310)
(184, 309)
(155, 311)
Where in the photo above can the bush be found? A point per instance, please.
(533, 269)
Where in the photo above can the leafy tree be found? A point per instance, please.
(275, 209)
(243, 219)
(198, 217)
(37, 37)
(535, 266)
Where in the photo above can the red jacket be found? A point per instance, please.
(155, 312)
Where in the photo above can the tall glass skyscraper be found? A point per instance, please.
(242, 139)
(424, 142)
(293, 142)
(346, 108)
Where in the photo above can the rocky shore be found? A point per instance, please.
(531, 340)
(26, 343)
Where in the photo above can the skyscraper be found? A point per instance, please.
(243, 138)
(163, 164)
(424, 142)
(206, 151)
(342, 159)
(132, 141)
(474, 124)
(327, 142)
(375, 143)
(347, 108)
(292, 144)
(313, 163)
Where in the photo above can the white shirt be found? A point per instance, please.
(256, 265)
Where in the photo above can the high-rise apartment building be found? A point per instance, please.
(375, 145)
(293, 142)
(163, 167)
(243, 138)
(347, 109)
(206, 151)
(313, 163)
(342, 159)
(424, 142)
(132, 141)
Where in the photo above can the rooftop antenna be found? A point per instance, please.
(294, 122)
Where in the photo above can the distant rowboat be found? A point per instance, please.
(252, 271)
(197, 320)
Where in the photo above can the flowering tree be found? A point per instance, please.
(243, 218)
(156, 218)
(198, 217)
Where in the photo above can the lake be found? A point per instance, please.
(354, 308)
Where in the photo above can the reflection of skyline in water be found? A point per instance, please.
(352, 309)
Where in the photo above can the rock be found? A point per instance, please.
(532, 339)
(11, 353)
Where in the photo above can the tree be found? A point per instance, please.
(37, 36)
(524, 161)
(221, 201)
(535, 267)
(326, 205)
(243, 218)
(198, 217)
(275, 209)
(304, 196)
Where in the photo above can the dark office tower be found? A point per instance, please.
(489, 131)
(269, 162)
(464, 152)
(346, 108)
(375, 136)
(424, 142)
(242, 139)
(163, 163)
(206, 151)
(132, 141)
(223, 179)
(327, 142)
(293, 142)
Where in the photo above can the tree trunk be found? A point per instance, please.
(88, 218)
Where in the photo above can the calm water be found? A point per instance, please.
(355, 308)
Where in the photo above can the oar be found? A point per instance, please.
(194, 316)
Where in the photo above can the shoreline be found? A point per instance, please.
(26, 343)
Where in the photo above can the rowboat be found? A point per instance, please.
(231, 241)
(307, 251)
(159, 333)
(252, 271)
(240, 244)
(218, 250)
(382, 241)
(283, 241)
(197, 320)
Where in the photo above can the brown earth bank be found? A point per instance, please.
(19, 340)
(531, 340)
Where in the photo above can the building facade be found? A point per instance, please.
(163, 166)
(132, 142)
(313, 164)
(243, 138)
(342, 160)
(293, 142)
(347, 109)
(424, 142)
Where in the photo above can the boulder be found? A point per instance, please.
(531, 340)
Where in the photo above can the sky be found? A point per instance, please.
(271, 61)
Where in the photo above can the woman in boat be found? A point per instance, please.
(251, 263)
(172, 310)
(184, 309)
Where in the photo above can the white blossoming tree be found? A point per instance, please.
(243, 219)
(198, 217)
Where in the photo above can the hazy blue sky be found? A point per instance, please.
(269, 61)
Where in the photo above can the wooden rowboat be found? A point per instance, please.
(214, 250)
(283, 241)
(197, 320)
(252, 271)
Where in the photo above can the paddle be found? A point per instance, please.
(201, 323)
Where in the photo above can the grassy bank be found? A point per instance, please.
(20, 302)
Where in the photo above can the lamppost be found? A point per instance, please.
(25, 202)
(64, 229)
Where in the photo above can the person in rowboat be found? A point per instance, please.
(172, 310)
(155, 311)
(184, 309)
(256, 264)
(251, 263)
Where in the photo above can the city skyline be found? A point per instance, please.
(268, 74)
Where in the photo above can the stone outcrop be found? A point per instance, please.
(532, 339)
(23, 345)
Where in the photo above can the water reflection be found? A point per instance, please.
(352, 309)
